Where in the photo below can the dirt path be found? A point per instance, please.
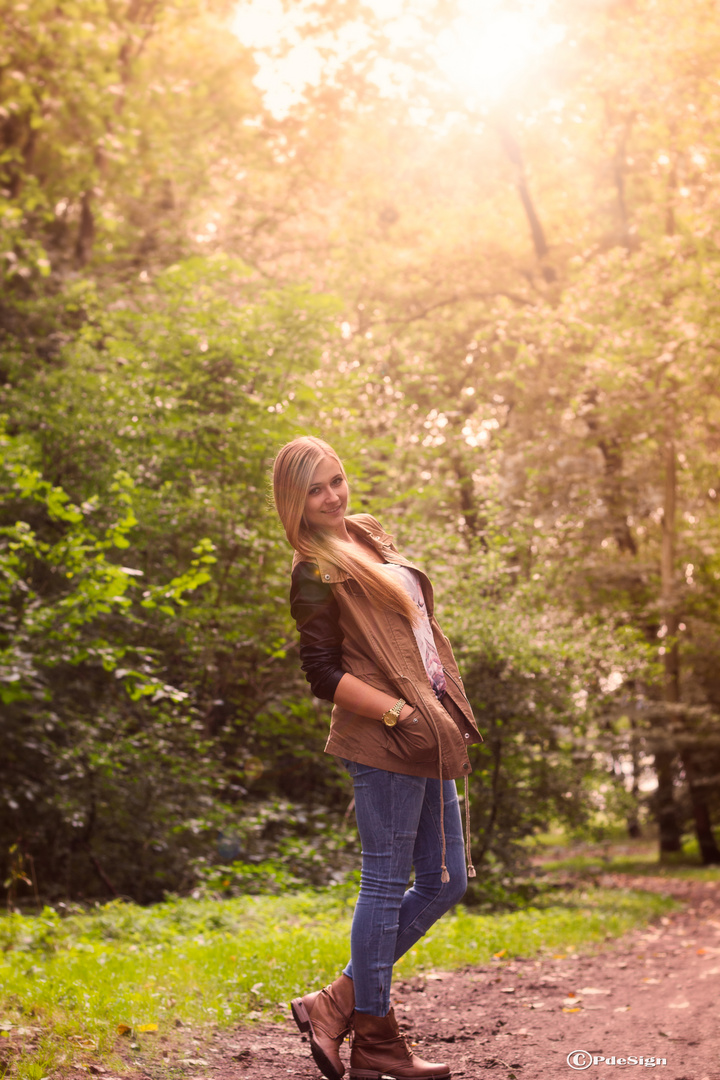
(653, 994)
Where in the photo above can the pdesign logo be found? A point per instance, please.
(583, 1059)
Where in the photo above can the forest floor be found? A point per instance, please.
(653, 994)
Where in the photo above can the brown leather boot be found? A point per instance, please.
(379, 1050)
(326, 1015)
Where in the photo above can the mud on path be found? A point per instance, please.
(654, 993)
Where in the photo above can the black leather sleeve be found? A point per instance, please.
(317, 616)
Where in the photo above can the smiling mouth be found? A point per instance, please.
(332, 511)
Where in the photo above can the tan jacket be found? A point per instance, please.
(379, 648)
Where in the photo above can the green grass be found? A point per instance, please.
(632, 857)
(591, 865)
(68, 983)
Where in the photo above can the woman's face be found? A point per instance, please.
(327, 497)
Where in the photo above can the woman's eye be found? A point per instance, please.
(337, 480)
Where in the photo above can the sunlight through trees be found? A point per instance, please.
(474, 245)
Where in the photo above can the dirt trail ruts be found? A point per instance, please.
(654, 993)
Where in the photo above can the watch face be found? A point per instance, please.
(390, 719)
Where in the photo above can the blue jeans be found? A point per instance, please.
(398, 820)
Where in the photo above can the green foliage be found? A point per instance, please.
(58, 591)
(108, 118)
(283, 846)
(190, 281)
(156, 420)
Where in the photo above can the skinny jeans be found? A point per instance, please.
(398, 819)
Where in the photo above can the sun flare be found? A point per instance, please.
(487, 48)
(481, 52)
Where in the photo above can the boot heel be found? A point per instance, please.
(365, 1074)
(300, 1014)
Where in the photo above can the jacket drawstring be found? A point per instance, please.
(470, 868)
(445, 873)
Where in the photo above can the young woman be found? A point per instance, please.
(401, 724)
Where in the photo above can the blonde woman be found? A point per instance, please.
(401, 724)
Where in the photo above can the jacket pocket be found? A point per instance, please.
(412, 739)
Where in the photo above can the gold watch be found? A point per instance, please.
(390, 718)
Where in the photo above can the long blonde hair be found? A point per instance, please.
(293, 470)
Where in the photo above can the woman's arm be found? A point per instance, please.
(356, 696)
(317, 617)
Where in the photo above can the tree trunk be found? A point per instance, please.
(709, 852)
(701, 815)
(512, 149)
(613, 458)
(633, 818)
(489, 828)
(670, 835)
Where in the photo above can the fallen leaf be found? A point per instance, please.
(701, 952)
(497, 955)
(679, 1005)
(123, 1029)
(576, 1009)
(147, 1027)
(622, 1008)
(571, 999)
(507, 989)
(536, 1005)
(593, 990)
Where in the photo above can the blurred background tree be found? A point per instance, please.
(477, 248)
